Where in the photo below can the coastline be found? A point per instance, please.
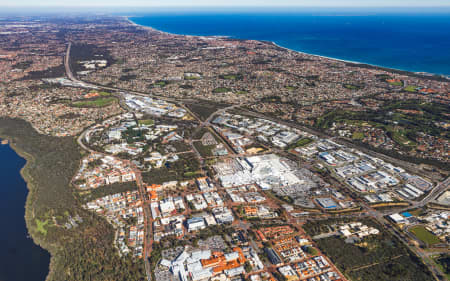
(29, 159)
(362, 64)
(425, 75)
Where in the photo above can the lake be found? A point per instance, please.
(20, 258)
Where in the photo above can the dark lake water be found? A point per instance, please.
(20, 258)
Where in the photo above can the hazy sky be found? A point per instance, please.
(190, 3)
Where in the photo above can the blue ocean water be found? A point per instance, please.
(414, 41)
(20, 258)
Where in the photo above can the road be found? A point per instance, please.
(405, 165)
(148, 222)
(379, 216)
(81, 143)
(67, 64)
(431, 196)
(145, 204)
(73, 78)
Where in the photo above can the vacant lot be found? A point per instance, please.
(204, 150)
(98, 102)
(203, 109)
(376, 257)
(424, 235)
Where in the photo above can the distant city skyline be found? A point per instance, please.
(227, 3)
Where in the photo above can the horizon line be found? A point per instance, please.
(223, 6)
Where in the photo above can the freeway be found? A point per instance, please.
(405, 165)
(436, 192)
(73, 78)
(378, 215)
(67, 64)
(441, 187)
(432, 196)
(220, 111)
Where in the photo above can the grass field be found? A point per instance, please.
(396, 83)
(161, 83)
(221, 90)
(424, 235)
(191, 78)
(410, 88)
(147, 122)
(98, 102)
(312, 251)
(358, 135)
(40, 226)
(400, 138)
(351, 87)
(301, 142)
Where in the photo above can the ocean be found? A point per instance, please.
(20, 258)
(415, 40)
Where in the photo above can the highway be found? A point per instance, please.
(67, 64)
(72, 77)
(405, 165)
(378, 215)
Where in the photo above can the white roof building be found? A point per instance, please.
(397, 218)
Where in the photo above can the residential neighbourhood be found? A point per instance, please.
(197, 158)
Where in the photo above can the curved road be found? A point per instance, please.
(379, 216)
